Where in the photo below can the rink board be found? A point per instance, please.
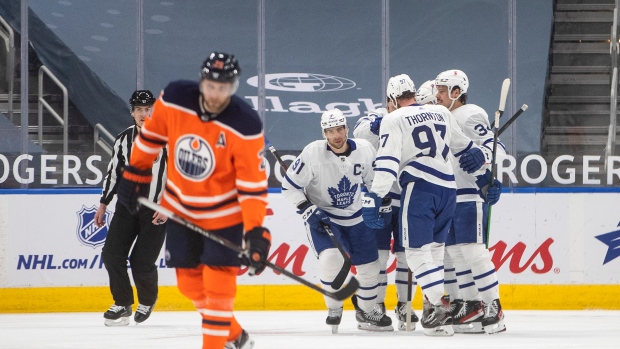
(560, 244)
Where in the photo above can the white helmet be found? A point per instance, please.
(427, 93)
(453, 78)
(397, 85)
(333, 118)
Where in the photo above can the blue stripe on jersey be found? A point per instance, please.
(291, 182)
(391, 158)
(445, 152)
(464, 150)
(386, 170)
(431, 171)
(355, 215)
(466, 191)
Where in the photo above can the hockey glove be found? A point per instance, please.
(472, 160)
(314, 216)
(134, 184)
(493, 191)
(375, 124)
(257, 244)
(376, 212)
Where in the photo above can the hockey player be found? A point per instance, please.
(414, 144)
(367, 127)
(217, 180)
(474, 271)
(324, 183)
(145, 228)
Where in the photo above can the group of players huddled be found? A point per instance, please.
(414, 173)
(419, 173)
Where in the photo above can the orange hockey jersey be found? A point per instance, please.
(216, 173)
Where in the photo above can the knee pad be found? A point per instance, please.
(474, 253)
(416, 257)
(330, 263)
(368, 273)
(438, 250)
(384, 256)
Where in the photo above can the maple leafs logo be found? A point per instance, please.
(612, 240)
(342, 196)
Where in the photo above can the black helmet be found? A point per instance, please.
(221, 67)
(141, 98)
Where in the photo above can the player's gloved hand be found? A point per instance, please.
(493, 191)
(257, 244)
(133, 184)
(313, 216)
(376, 212)
(375, 124)
(472, 160)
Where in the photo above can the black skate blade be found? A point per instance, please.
(347, 291)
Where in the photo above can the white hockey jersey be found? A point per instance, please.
(362, 130)
(331, 182)
(474, 122)
(415, 142)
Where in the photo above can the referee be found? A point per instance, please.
(146, 228)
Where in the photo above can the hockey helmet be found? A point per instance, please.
(221, 67)
(453, 78)
(427, 93)
(333, 118)
(397, 86)
(141, 98)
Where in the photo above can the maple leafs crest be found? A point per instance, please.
(343, 195)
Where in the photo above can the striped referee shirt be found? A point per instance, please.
(120, 159)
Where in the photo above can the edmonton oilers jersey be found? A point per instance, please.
(331, 182)
(216, 173)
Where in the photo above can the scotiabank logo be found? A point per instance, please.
(540, 262)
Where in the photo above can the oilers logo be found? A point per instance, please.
(87, 232)
(194, 158)
(342, 197)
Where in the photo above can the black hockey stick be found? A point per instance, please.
(498, 114)
(346, 265)
(409, 300)
(339, 295)
(512, 119)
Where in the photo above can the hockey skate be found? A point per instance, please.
(334, 316)
(493, 321)
(142, 313)
(436, 319)
(243, 342)
(373, 320)
(401, 314)
(117, 315)
(467, 316)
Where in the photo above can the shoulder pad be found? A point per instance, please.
(184, 93)
(241, 117)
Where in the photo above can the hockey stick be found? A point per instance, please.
(409, 293)
(339, 295)
(511, 120)
(498, 114)
(346, 265)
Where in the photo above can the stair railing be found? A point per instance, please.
(6, 32)
(64, 121)
(98, 141)
(613, 98)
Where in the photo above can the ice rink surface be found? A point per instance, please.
(304, 330)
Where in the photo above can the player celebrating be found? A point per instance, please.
(414, 144)
(325, 183)
(465, 244)
(216, 180)
(145, 228)
(367, 127)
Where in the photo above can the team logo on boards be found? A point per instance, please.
(194, 157)
(612, 240)
(303, 82)
(87, 232)
(342, 197)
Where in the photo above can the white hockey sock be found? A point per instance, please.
(384, 255)
(367, 275)
(330, 262)
(467, 287)
(450, 284)
(483, 270)
(428, 274)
